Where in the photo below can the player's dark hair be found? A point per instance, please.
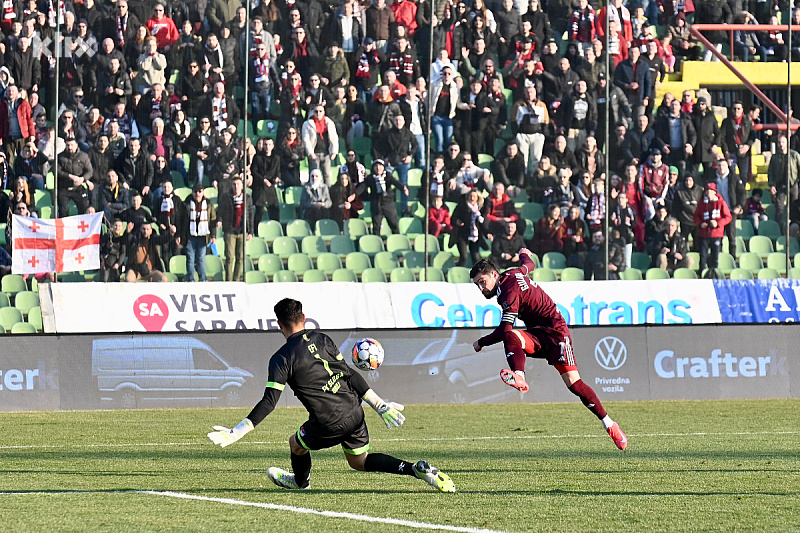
(289, 312)
(483, 266)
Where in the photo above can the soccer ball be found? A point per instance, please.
(367, 354)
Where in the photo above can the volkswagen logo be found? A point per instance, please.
(610, 353)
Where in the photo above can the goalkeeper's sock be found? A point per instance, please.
(588, 398)
(380, 462)
(301, 466)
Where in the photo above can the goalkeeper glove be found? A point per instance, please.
(389, 411)
(225, 437)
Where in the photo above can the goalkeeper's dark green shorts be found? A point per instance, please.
(351, 433)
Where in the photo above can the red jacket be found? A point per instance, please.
(439, 220)
(499, 209)
(26, 125)
(405, 14)
(708, 210)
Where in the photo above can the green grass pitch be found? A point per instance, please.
(690, 466)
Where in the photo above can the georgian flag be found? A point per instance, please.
(61, 245)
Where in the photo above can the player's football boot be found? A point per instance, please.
(618, 436)
(284, 479)
(436, 479)
(513, 379)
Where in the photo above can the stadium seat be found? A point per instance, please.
(314, 276)
(361, 146)
(355, 228)
(210, 193)
(760, 245)
(555, 261)
(402, 274)
(631, 274)
(386, 261)
(299, 263)
(344, 274)
(794, 273)
(282, 246)
(694, 260)
(444, 261)
(414, 260)
(42, 199)
(794, 245)
(433, 244)
(298, 229)
(768, 273)
(26, 300)
(254, 277)
(342, 245)
(313, 246)
(269, 264)
(531, 211)
(183, 193)
(215, 269)
(726, 263)
(458, 274)
(358, 262)
(571, 274)
(770, 228)
(751, 261)
(656, 273)
(286, 212)
(256, 247)
(292, 194)
(411, 227)
(744, 229)
(373, 275)
(640, 261)
(328, 262)
(327, 228)
(4, 300)
(684, 273)
(777, 261)
(177, 266)
(284, 276)
(23, 328)
(35, 318)
(9, 316)
(11, 284)
(415, 177)
(741, 273)
(432, 274)
(544, 274)
(397, 243)
(370, 245)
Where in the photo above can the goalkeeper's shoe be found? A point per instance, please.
(436, 479)
(618, 436)
(284, 479)
(513, 379)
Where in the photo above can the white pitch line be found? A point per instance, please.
(430, 439)
(276, 507)
(330, 514)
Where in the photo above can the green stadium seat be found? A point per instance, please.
(684, 273)
(761, 245)
(327, 228)
(269, 264)
(328, 262)
(770, 228)
(631, 274)
(532, 211)
(458, 274)
(283, 246)
(373, 275)
(23, 328)
(544, 274)
(415, 177)
(432, 274)
(299, 263)
(402, 274)
(358, 262)
(215, 269)
(4, 300)
(298, 229)
(9, 316)
(370, 245)
(777, 261)
(314, 276)
(641, 261)
(355, 228)
(284, 276)
(656, 273)
(286, 212)
(313, 246)
(768, 273)
(292, 194)
(433, 244)
(741, 273)
(25, 301)
(35, 318)
(794, 273)
(794, 245)
(342, 245)
(414, 260)
(11, 284)
(254, 277)
(725, 263)
(177, 266)
(555, 261)
(744, 229)
(397, 243)
(694, 260)
(269, 230)
(572, 274)
(411, 226)
(386, 261)
(444, 260)
(256, 247)
(751, 261)
(344, 274)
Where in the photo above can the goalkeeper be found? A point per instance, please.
(311, 364)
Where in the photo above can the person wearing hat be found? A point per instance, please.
(711, 217)
(654, 175)
(379, 187)
(708, 139)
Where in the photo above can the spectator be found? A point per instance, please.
(194, 87)
(379, 186)
(136, 215)
(170, 213)
(24, 66)
(226, 161)
(579, 112)
(549, 233)
(201, 219)
(380, 20)
(499, 211)
(708, 138)
(345, 203)
(221, 12)
(737, 138)
(543, 183)
(114, 198)
(235, 216)
(639, 140)
(730, 187)
(754, 209)
(162, 28)
(151, 66)
(711, 217)
(16, 122)
(467, 233)
(624, 219)
(508, 168)
(439, 220)
(397, 146)
(292, 151)
(676, 136)
(684, 206)
(633, 76)
(595, 264)
(144, 261)
(316, 199)
(263, 77)
(444, 101)
(113, 252)
(266, 172)
(532, 119)
(573, 235)
(220, 108)
(74, 170)
(653, 232)
(135, 169)
(654, 175)
(714, 12)
(672, 249)
(684, 45)
(30, 164)
(321, 142)
(777, 175)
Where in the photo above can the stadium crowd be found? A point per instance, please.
(150, 100)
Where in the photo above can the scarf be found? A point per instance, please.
(255, 40)
(115, 191)
(321, 126)
(262, 70)
(219, 112)
(51, 12)
(238, 210)
(198, 219)
(401, 63)
(300, 49)
(220, 58)
(473, 223)
(362, 69)
(8, 10)
(122, 26)
(168, 206)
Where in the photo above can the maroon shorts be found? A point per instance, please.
(555, 349)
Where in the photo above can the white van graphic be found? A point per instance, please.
(164, 371)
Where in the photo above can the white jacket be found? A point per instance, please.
(309, 134)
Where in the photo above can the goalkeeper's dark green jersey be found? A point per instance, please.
(311, 364)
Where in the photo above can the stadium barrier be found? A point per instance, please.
(433, 365)
(170, 307)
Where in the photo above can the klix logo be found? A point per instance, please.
(610, 353)
(72, 45)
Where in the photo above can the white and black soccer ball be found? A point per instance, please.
(367, 354)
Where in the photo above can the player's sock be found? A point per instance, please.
(380, 462)
(301, 466)
(515, 355)
(607, 422)
(588, 398)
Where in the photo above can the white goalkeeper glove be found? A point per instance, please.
(225, 437)
(389, 411)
